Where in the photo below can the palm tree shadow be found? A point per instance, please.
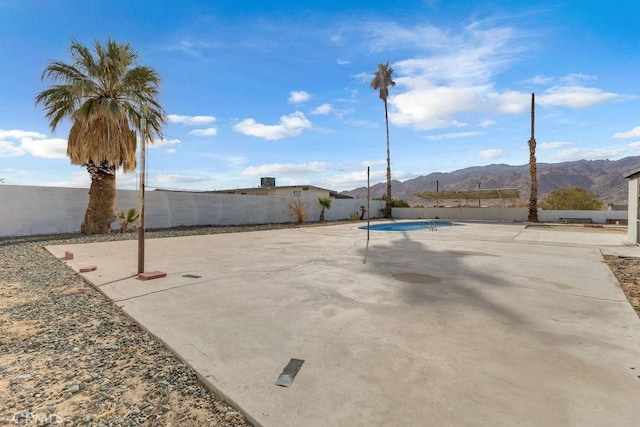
(423, 277)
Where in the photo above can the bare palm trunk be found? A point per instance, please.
(533, 198)
(102, 201)
(387, 207)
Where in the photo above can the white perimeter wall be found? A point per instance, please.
(504, 214)
(28, 210)
(633, 213)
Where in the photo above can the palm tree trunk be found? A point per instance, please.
(102, 201)
(533, 170)
(533, 198)
(387, 207)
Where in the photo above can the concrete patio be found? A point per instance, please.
(478, 324)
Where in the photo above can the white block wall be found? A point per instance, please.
(29, 210)
(504, 214)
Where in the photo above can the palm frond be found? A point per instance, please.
(382, 79)
(105, 96)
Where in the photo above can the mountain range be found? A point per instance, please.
(604, 178)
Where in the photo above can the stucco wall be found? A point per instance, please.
(504, 214)
(29, 210)
(633, 213)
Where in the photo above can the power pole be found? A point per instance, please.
(533, 198)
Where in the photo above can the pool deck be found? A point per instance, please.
(482, 324)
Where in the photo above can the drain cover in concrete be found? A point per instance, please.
(285, 379)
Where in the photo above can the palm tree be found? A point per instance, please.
(325, 203)
(533, 198)
(382, 79)
(105, 95)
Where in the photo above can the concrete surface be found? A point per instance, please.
(478, 324)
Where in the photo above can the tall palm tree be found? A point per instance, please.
(105, 95)
(533, 197)
(382, 79)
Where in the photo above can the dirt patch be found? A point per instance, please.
(580, 228)
(627, 271)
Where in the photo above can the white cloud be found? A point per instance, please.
(591, 153)
(290, 125)
(540, 80)
(228, 159)
(188, 47)
(191, 120)
(342, 62)
(10, 149)
(350, 180)
(457, 74)
(166, 144)
(286, 169)
(553, 145)
(487, 123)
(453, 77)
(574, 97)
(18, 142)
(373, 163)
(362, 123)
(453, 135)
(492, 153)
(298, 96)
(633, 133)
(167, 178)
(204, 132)
(576, 78)
(510, 102)
(336, 39)
(469, 58)
(346, 180)
(426, 107)
(81, 179)
(323, 109)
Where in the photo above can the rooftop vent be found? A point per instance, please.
(267, 182)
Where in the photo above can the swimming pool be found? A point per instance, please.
(410, 226)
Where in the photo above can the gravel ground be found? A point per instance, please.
(69, 356)
(627, 271)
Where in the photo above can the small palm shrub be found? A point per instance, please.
(325, 202)
(127, 219)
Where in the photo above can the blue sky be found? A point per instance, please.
(282, 89)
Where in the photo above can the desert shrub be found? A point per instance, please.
(571, 198)
(395, 203)
(298, 210)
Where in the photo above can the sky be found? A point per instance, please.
(282, 89)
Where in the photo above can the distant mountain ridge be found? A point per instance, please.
(604, 178)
